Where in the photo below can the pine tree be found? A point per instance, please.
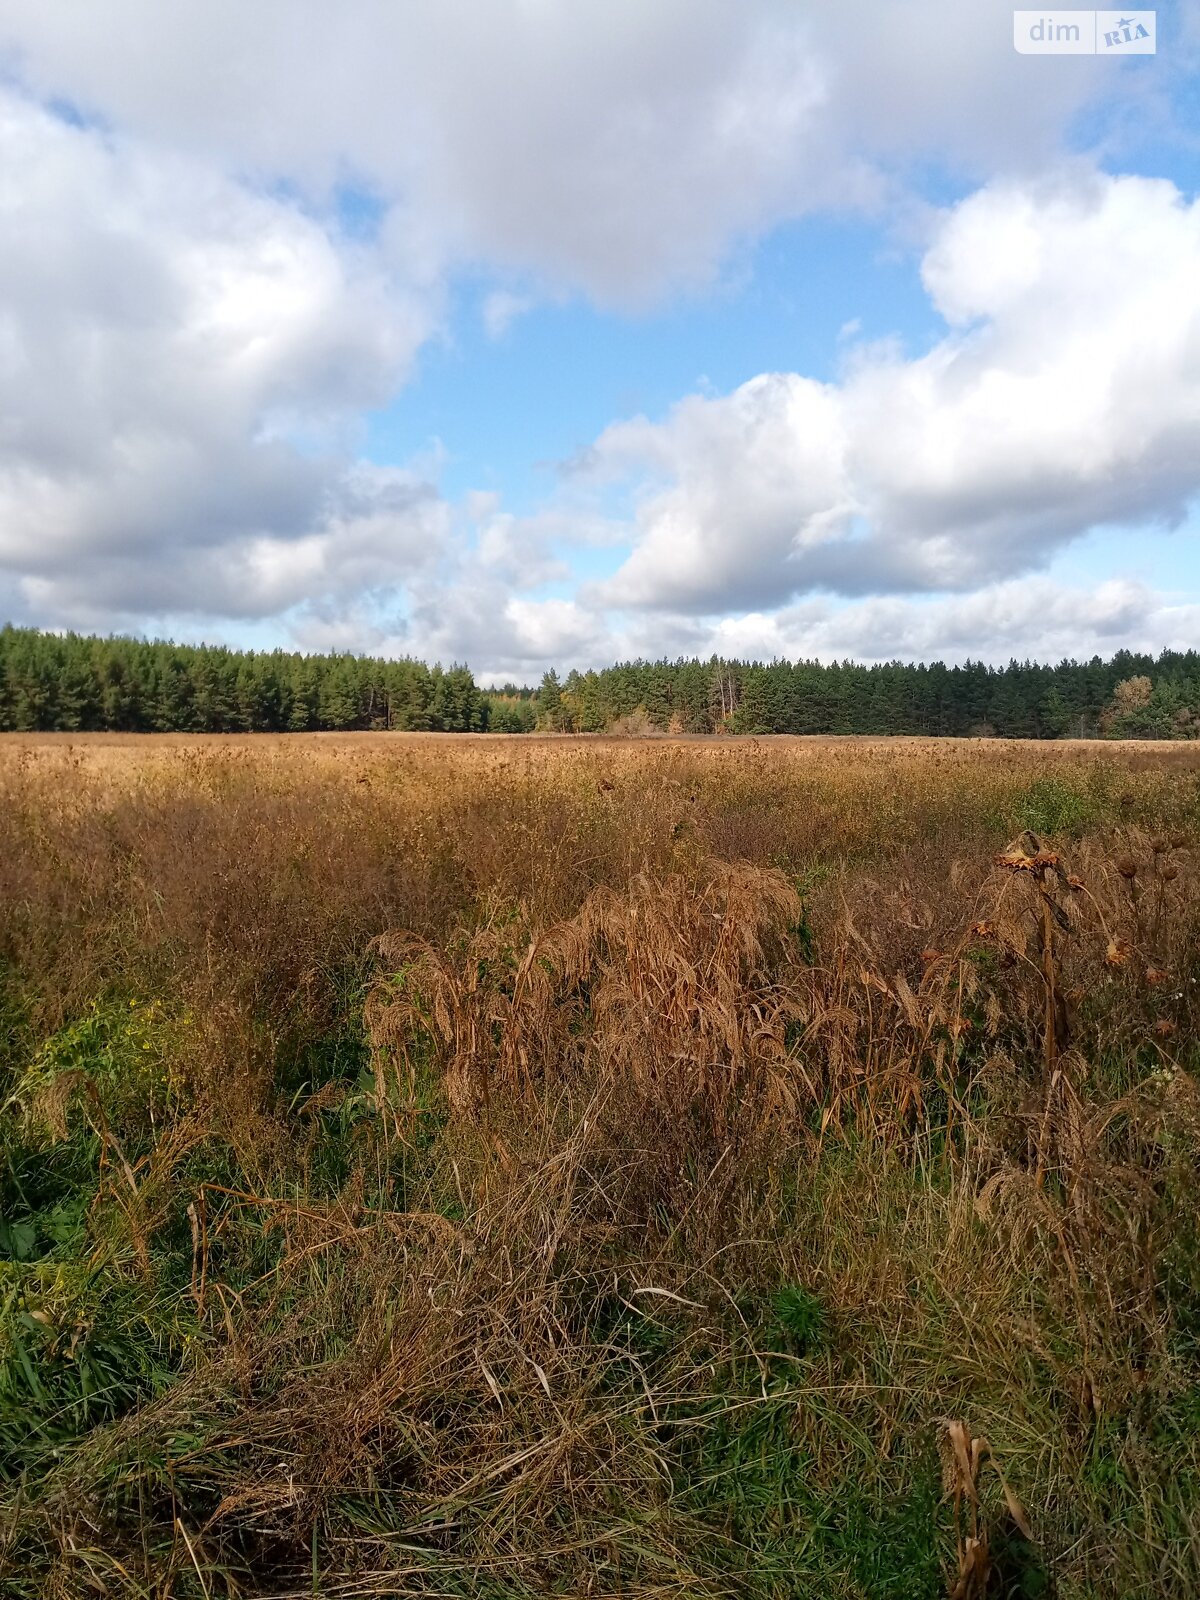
(550, 710)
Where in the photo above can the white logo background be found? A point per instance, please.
(1084, 33)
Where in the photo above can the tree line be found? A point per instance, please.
(70, 682)
(1128, 696)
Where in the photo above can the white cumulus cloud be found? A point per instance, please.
(1065, 396)
(182, 365)
(611, 145)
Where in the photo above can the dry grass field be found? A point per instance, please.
(470, 1166)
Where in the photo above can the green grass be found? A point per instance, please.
(1058, 808)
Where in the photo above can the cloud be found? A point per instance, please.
(483, 601)
(183, 362)
(501, 308)
(1038, 618)
(1019, 618)
(350, 551)
(605, 145)
(752, 479)
(1065, 396)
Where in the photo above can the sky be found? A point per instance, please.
(535, 333)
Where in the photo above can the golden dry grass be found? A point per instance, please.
(511, 1167)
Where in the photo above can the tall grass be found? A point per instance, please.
(564, 1167)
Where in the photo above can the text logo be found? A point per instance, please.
(1125, 33)
(1084, 33)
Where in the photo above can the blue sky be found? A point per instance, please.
(544, 334)
(510, 406)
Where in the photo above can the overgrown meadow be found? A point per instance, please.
(505, 1168)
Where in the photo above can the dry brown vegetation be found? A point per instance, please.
(470, 1166)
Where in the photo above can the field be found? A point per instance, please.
(457, 1166)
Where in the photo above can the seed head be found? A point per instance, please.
(1127, 867)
